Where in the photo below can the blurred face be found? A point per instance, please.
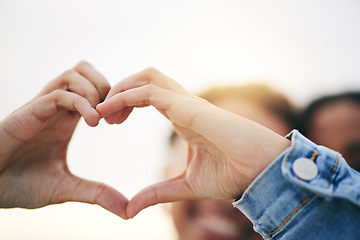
(210, 219)
(337, 126)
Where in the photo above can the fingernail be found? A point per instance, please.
(99, 104)
(95, 110)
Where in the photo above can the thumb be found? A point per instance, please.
(81, 190)
(171, 190)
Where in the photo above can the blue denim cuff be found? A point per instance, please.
(277, 195)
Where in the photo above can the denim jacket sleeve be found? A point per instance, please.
(282, 206)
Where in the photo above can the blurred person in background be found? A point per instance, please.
(207, 219)
(334, 121)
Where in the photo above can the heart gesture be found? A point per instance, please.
(226, 151)
(34, 141)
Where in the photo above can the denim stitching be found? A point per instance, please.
(290, 216)
(334, 168)
(314, 155)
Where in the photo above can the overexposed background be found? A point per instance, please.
(304, 48)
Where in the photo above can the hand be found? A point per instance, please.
(34, 141)
(226, 151)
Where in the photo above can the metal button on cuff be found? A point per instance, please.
(305, 169)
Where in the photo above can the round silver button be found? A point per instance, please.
(305, 169)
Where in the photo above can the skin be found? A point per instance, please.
(207, 219)
(226, 151)
(337, 126)
(34, 141)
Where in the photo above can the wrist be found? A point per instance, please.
(272, 145)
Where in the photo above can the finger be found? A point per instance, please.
(147, 76)
(95, 77)
(137, 97)
(62, 100)
(81, 190)
(114, 107)
(167, 191)
(28, 121)
(73, 81)
(180, 109)
(224, 129)
(119, 116)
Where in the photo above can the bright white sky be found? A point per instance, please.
(304, 48)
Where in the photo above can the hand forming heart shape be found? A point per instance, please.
(226, 151)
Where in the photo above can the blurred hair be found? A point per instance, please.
(256, 93)
(317, 104)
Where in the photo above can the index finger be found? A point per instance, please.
(145, 77)
(95, 77)
(27, 121)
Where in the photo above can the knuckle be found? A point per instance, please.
(151, 71)
(100, 190)
(93, 96)
(81, 65)
(104, 88)
(154, 194)
(56, 96)
(56, 93)
(65, 78)
(149, 91)
(149, 88)
(90, 90)
(67, 74)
